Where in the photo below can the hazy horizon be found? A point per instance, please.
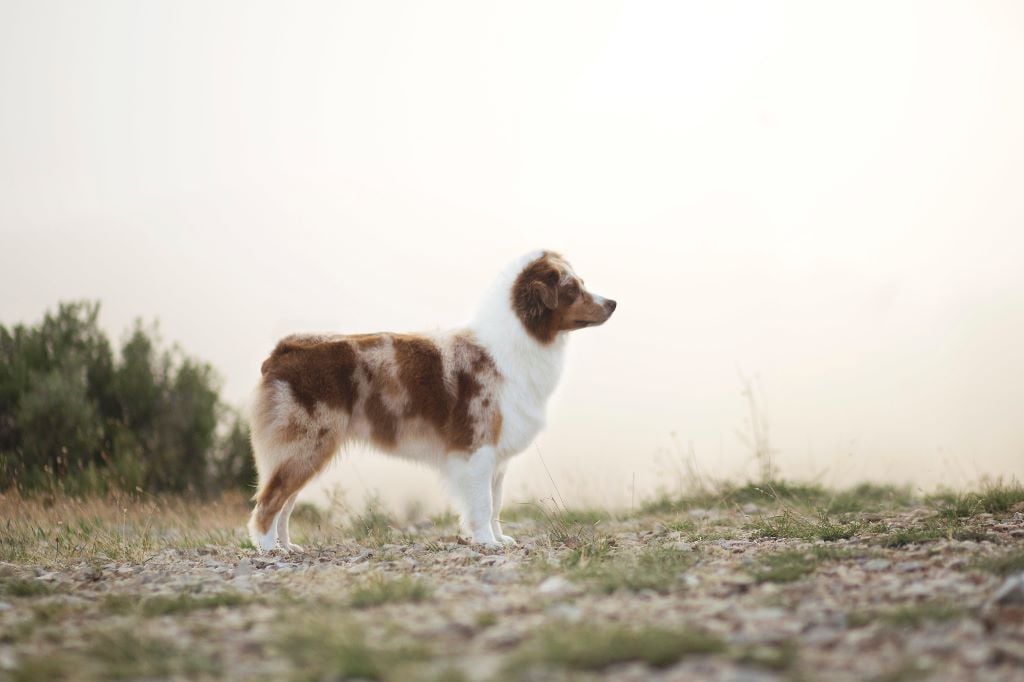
(828, 198)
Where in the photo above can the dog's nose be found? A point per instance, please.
(611, 306)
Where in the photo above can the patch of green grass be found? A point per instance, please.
(551, 513)
(995, 497)
(908, 671)
(1004, 564)
(909, 615)
(40, 668)
(328, 649)
(19, 587)
(790, 565)
(789, 524)
(779, 658)
(930, 531)
(379, 589)
(866, 497)
(373, 523)
(123, 653)
(126, 653)
(166, 605)
(680, 524)
(785, 567)
(485, 619)
(657, 568)
(730, 495)
(587, 549)
(808, 494)
(594, 648)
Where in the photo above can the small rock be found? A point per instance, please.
(877, 565)
(243, 569)
(1008, 650)
(976, 655)
(7, 659)
(555, 585)
(4, 606)
(681, 546)
(750, 508)
(1011, 592)
(910, 566)
(499, 576)
(567, 612)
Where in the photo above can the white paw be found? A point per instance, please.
(507, 539)
(264, 542)
(292, 547)
(489, 542)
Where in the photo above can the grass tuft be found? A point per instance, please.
(658, 569)
(165, 605)
(594, 648)
(328, 649)
(910, 615)
(1004, 564)
(785, 567)
(19, 587)
(789, 524)
(379, 589)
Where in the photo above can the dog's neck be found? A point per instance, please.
(518, 355)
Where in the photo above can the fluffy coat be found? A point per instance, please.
(464, 401)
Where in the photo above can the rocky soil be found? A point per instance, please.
(738, 592)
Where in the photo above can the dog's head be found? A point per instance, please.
(549, 298)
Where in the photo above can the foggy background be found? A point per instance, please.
(829, 198)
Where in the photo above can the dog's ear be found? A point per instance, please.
(547, 293)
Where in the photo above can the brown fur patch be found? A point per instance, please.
(383, 422)
(421, 371)
(318, 369)
(548, 302)
(461, 427)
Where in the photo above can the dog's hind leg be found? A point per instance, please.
(275, 500)
(283, 536)
(297, 462)
(470, 483)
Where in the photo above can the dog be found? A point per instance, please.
(464, 401)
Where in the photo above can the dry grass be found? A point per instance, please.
(59, 531)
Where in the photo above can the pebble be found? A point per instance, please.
(567, 612)
(554, 586)
(243, 569)
(1011, 592)
(877, 565)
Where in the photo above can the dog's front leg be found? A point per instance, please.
(497, 484)
(470, 484)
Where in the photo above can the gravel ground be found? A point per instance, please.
(746, 593)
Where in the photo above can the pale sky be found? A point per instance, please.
(829, 196)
